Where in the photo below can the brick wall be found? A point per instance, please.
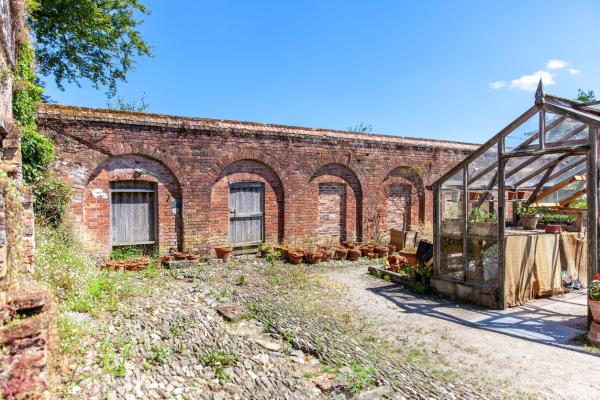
(316, 182)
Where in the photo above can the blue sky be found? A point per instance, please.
(456, 70)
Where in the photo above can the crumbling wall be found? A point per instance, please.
(25, 308)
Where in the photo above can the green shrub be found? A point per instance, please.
(51, 198)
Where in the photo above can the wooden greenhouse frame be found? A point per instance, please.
(544, 150)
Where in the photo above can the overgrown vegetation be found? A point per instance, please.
(219, 360)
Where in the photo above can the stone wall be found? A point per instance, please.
(317, 182)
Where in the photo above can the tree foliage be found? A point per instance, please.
(87, 39)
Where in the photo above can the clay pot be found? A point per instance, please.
(366, 249)
(371, 256)
(411, 258)
(193, 257)
(341, 253)
(394, 259)
(167, 258)
(131, 266)
(348, 243)
(520, 195)
(326, 255)
(111, 265)
(556, 229)
(353, 254)
(529, 221)
(391, 248)
(474, 196)
(595, 309)
(312, 258)
(381, 251)
(593, 335)
(394, 267)
(223, 252)
(294, 258)
(180, 256)
(264, 252)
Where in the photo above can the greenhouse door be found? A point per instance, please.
(246, 214)
(132, 213)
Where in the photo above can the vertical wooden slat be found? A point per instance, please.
(592, 204)
(502, 270)
(465, 219)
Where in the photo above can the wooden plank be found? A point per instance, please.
(465, 219)
(502, 270)
(592, 199)
(572, 198)
(581, 149)
(523, 145)
(557, 187)
(437, 226)
(582, 116)
(487, 145)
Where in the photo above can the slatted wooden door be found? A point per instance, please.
(246, 214)
(133, 213)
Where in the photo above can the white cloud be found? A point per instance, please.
(574, 71)
(530, 82)
(556, 64)
(497, 85)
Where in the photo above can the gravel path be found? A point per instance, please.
(499, 359)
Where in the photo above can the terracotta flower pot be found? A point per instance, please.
(193, 257)
(474, 196)
(264, 252)
(595, 309)
(341, 253)
(394, 267)
(371, 256)
(167, 258)
(348, 243)
(312, 257)
(366, 249)
(180, 256)
(354, 254)
(411, 258)
(593, 335)
(325, 255)
(391, 248)
(556, 229)
(520, 195)
(381, 251)
(294, 258)
(393, 260)
(111, 265)
(223, 252)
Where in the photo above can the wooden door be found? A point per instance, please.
(246, 214)
(133, 213)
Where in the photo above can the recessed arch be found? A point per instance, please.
(405, 198)
(249, 171)
(336, 198)
(97, 197)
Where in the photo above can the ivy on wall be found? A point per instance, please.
(37, 150)
(51, 195)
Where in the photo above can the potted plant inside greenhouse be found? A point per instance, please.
(482, 223)
(529, 216)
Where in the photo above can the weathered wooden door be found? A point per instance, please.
(133, 213)
(246, 214)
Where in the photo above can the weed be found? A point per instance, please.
(219, 360)
(360, 378)
(158, 354)
(70, 334)
(288, 336)
(241, 280)
(418, 288)
(126, 252)
(109, 359)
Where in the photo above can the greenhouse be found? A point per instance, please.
(534, 186)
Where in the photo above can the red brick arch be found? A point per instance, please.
(335, 201)
(406, 177)
(96, 201)
(247, 170)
